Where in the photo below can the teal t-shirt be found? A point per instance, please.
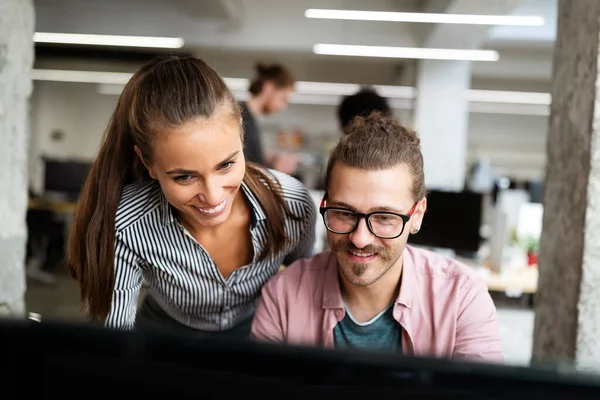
(382, 332)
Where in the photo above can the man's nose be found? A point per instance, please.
(361, 237)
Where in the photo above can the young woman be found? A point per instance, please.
(171, 200)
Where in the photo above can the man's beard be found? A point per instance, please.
(359, 268)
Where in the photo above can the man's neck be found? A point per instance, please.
(255, 106)
(365, 302)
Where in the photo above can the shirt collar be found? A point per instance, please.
(256, 210)
(166, 213)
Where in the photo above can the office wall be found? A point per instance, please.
(514, 144)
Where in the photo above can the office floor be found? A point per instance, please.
(61, 302)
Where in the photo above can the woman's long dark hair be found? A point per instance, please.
(164, 93)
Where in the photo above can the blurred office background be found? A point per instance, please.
(482, 115)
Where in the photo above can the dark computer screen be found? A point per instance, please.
(61, 361)
(452, 221)
(65, 176)
(536, 191)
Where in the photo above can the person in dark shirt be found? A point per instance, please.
(361, 103)
(269, 94)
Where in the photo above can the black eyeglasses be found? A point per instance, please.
(383, 224)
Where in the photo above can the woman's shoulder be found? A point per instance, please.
(301, 201)
(137, 200)
(292, 188)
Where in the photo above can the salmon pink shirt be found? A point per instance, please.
(443, 307)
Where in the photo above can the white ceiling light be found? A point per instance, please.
(113, 83)
(60, 75)
(405, 52)
(108, 40)
(430, 18)
(499, 96)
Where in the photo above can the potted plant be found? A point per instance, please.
(532, 247)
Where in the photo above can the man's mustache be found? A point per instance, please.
(343, 245)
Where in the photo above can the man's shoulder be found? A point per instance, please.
(304, 274)
(437, 266)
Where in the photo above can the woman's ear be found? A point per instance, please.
(148, 167)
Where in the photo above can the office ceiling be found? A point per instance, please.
(277, 29)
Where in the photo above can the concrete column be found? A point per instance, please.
(16, 61)
(441, 120)
(567, 321)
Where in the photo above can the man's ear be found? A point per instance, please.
(148, 167)
(418, 215)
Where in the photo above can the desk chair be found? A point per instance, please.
(40, 225)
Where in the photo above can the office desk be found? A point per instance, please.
(59, 207)
(517, 281)
(512, 281)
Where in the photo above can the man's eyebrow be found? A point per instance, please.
(374, 209)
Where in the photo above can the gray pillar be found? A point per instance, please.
(442, 119)
(16, 61)
(567, 321)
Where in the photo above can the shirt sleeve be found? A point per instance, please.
(128, 282)
(478, 332)
(306, 243)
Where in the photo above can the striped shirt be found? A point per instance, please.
(151, 244)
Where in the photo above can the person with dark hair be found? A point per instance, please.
(270, 91)
(362, 103)
(171, 200)
(372, 290)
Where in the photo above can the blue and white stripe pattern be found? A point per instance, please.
(181, 276)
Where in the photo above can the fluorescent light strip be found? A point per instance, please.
(405, 52)
(430, 18)
(498, 96)
(108, 40)
(509, 108)
(345, 89)
(59, 75)
(114, 80)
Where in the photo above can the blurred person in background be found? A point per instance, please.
(171, 200)
(372, 290)
(270, 91)
(362, 103)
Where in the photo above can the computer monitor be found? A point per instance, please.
(63, 361)
(536, 191)
(65, 176)
(452, 221)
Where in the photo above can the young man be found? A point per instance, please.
(269, 94)
(371, 290)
